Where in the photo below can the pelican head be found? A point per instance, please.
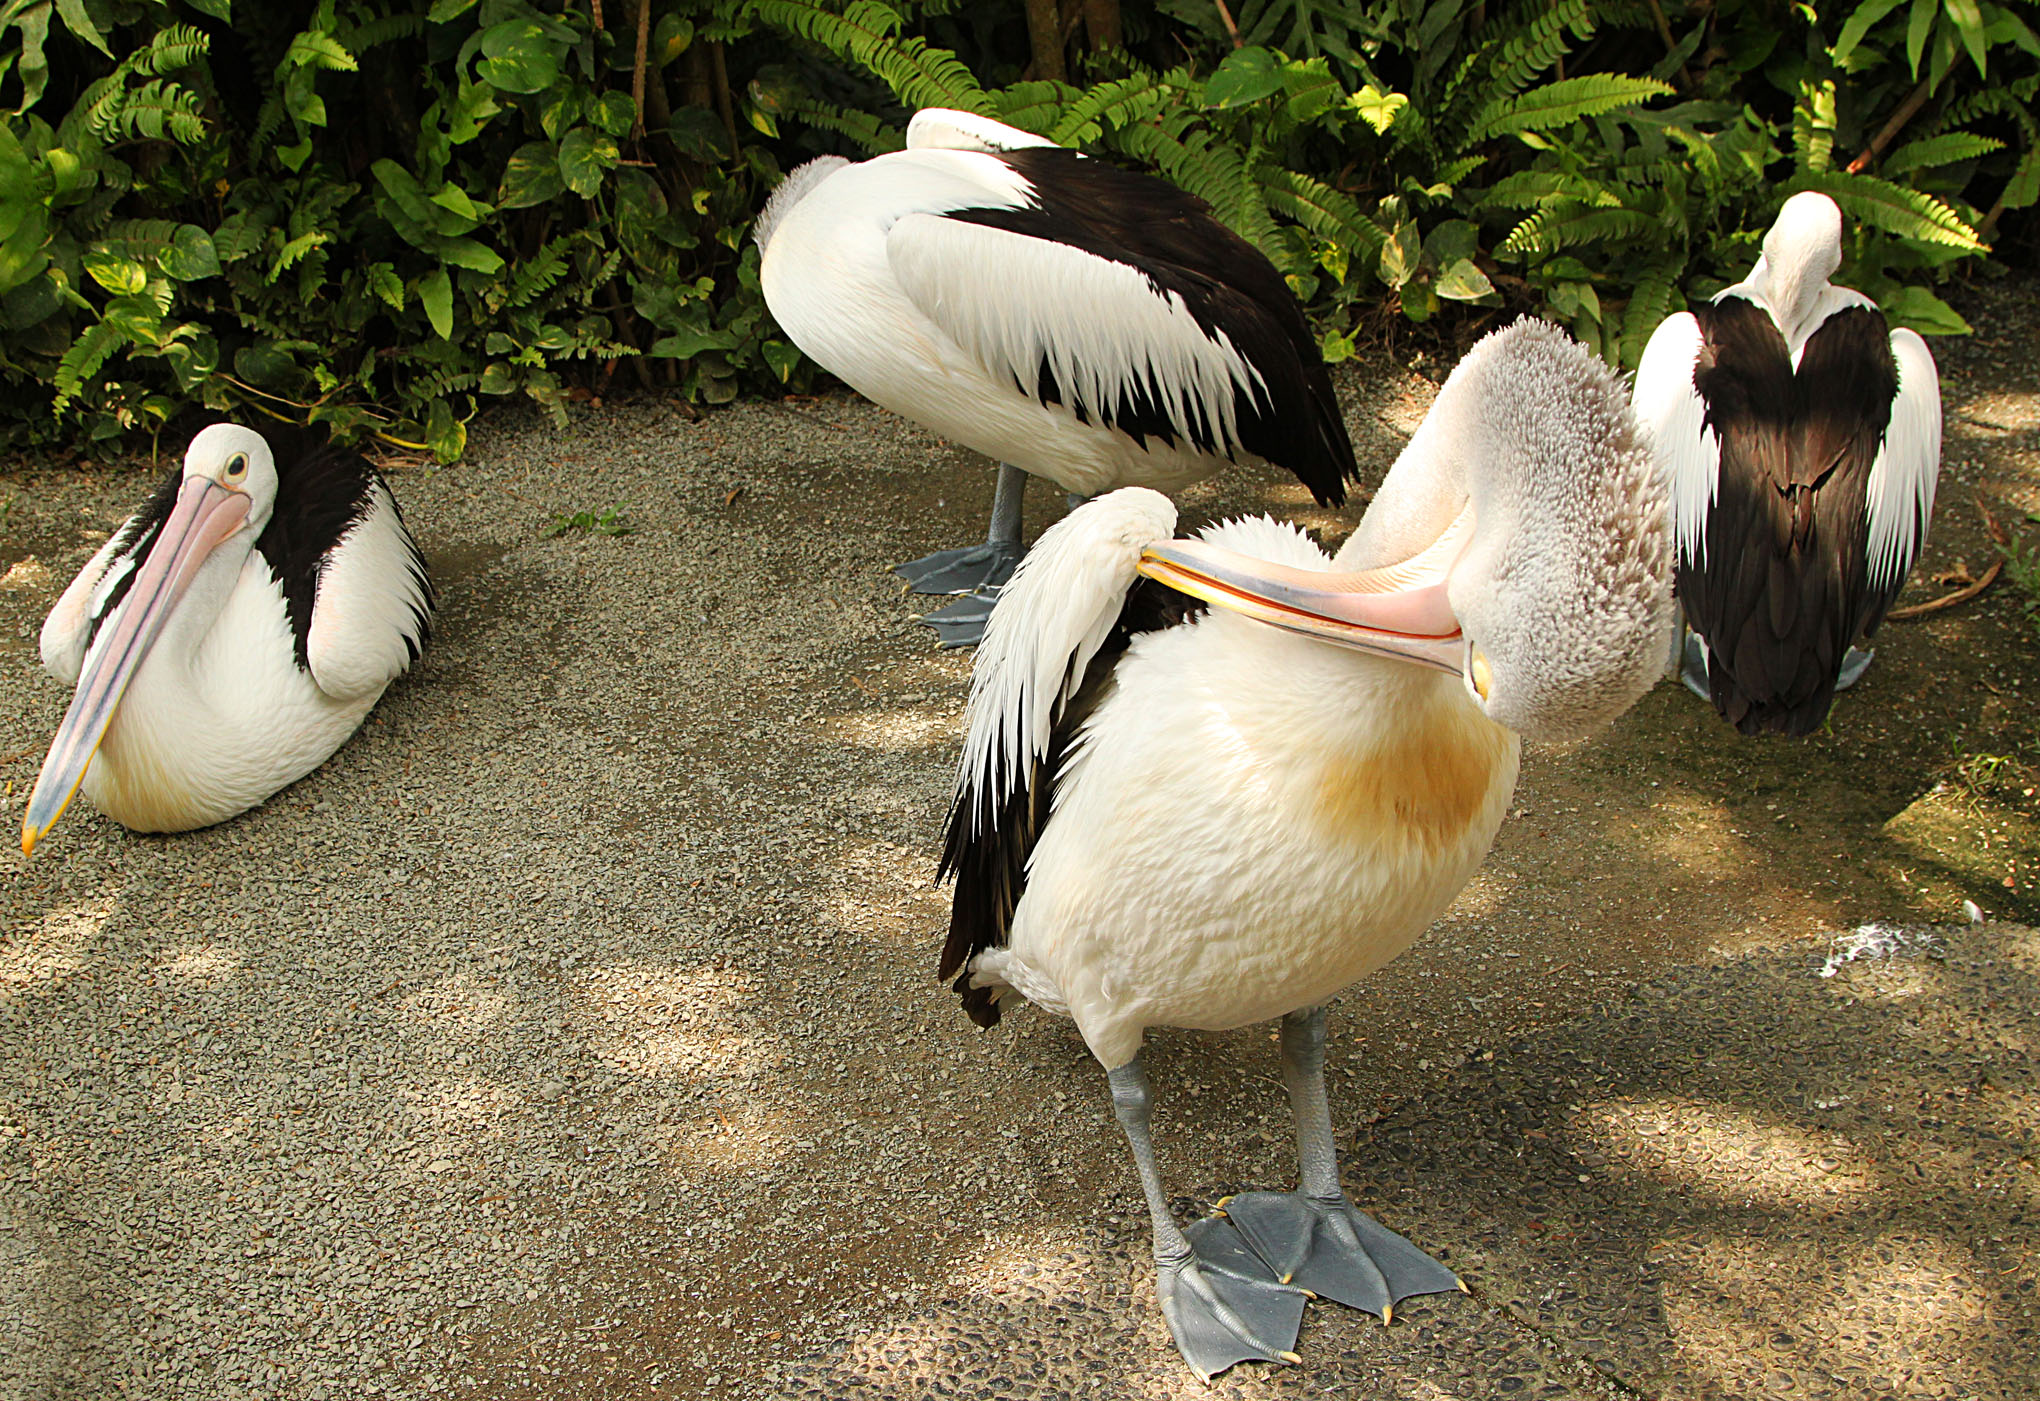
(1801, 252)
(1520, 541)
(225, 498)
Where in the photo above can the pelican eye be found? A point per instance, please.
(237, 467)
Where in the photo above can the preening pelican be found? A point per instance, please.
(229, 636)
(1801, 437)
(1169, 814)
(1084, 323)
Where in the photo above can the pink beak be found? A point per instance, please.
(206, 514)
(1399, 610)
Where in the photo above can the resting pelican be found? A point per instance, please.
(1173, 815)
(1081, 322)
(1801, 437)
(229, 636)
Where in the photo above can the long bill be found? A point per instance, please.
(206, 513)
(1400, 610)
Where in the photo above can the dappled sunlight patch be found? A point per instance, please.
(1994, 414)
(200, 965)
(658, 1021)
(1698, 836)
(1726, 1153)
(1748, 1309)
(906, 729)
(27, 575)
(59, 945)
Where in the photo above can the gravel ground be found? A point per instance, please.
(572, 1033)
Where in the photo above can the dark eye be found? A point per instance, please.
(237, 466)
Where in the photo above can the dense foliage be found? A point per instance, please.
(379, 213)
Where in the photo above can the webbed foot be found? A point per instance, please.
(1335, 1251)
(972, 568)
(962, 623)
(1855, 662)
(1222, 1304)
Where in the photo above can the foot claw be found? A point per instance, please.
(1223, 1307)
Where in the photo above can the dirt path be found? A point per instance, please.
(573, 1032)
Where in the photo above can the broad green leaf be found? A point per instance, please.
(1866, 14)
(1919, 25)
(1463, 282)
(1924, 312)
(1452, 241)
(1246, 76)
(689, 343)
(615, 113)
(1399, 255)
(294, 156)
(435, 294)
(445, 434)
(2019, 192)
(1336, 346)
(670, 38)
(498, 378)
(1377, 108)
(783, 358)
(531, 176)
(519, 55)
(444, 10)
(116, 272)
(190, 255)
(266, 366)
(467, 253)
(584, 155)
(80, 24)
(1419, 301)
(221, 10)
(1967, 18)
(452, 197)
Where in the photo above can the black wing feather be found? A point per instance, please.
(1785, 587)
(1226, 284)
(991, 835)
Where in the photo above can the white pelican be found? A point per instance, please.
(1168, 815)
(229, 636)
(1801, 437)
(1085, 323)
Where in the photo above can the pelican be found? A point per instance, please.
(1801, 437)
(1215, 809)
(231, 635)
(1071, 319)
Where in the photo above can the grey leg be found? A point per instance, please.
(1694, 672)
(976, 567)
(1221, 1303)
(1313, 1237)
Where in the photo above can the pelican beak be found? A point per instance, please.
(206, 514)
(1399, 611)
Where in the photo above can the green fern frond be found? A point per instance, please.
(1563, 103)
(1514, 59)
(179, 46)
(1328, 213)
(868, 131)
(1568, 225)
(383, 29)
(1215, 173)
(539, 274)
(1107, 107)
(919, 74)
(1034, 105)
(1649, 305)
(82, 361)
(1941, 150)
(1907, 213)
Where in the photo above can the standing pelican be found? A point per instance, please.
(1088, 324)
(1801, 438)
(229, 636)
(1173, 815)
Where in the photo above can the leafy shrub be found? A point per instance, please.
(379, 214)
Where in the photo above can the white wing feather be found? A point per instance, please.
(1050, 620)
(69, 624)
(1687, 451)
(368, 617)
(1101, 326)
(944, 128)
(1902, 479)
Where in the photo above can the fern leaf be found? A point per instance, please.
(919, 74)
(1907, 213)
(1649, 305)
(82, 361)
(1940, 150)
(537, 275)
(1109, 106)
(1567, 225)
(1327, 212)
(1563, 103)
(868, 131)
